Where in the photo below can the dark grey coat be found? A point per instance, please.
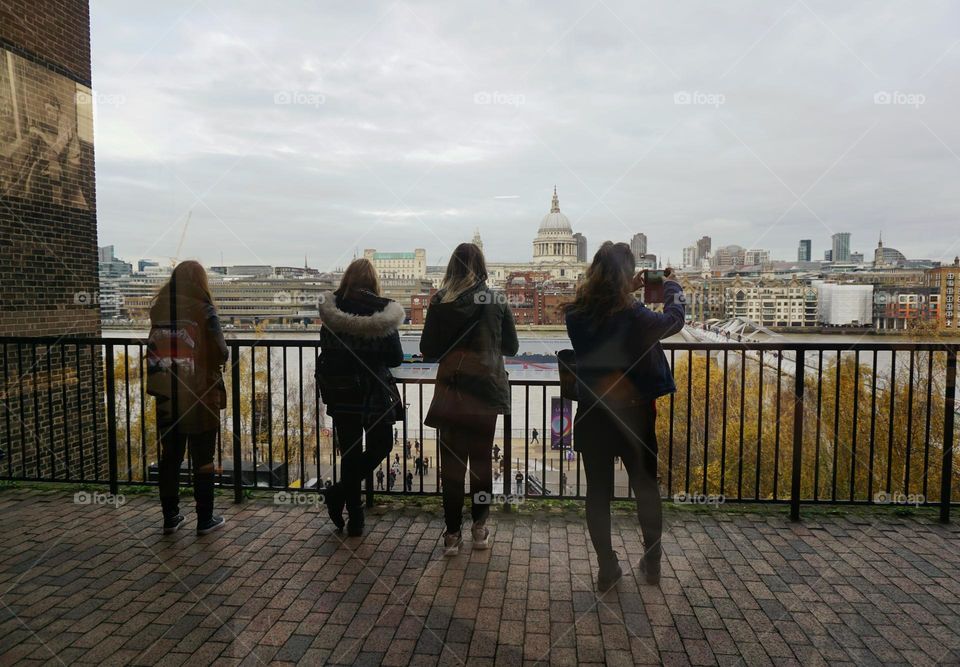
(469, 337)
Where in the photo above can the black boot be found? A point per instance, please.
(203, 495)
(333, 498)
(355, 525)
(650, 565)
(609, 572)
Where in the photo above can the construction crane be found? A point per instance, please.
(183, 236)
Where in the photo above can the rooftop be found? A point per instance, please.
(100, 584)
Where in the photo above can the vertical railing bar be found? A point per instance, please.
(303, 478)
(316, 418)
(53, 461)
(743, 402)
(141, 359)
(686, 473)
(816, 458)
(907, 453)
(670, 429)
(873, 429)
(836, 429)
(856, 420)
(269, 350)
(926, 439)
(706, 420)
(254, 409)
(949, 413)
(403, 445)
(80, 415)
(126, 409)
(36, 407)
(798, 415)
(756, 489)
(286, 424)
(23, 418)
(723, 429)
(892, 384)
(111, 418)
(526, 444)
(6, 408)
(235, 408)
(63, 407)
(776, 430)
(507, 454)
(94, 401)
(423, 444)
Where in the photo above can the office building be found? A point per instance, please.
(582, 252)
(805, 250)
(704, 248)
(638, 244)
(945, 281)
(841, 247)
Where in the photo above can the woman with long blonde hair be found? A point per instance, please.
(468, 330)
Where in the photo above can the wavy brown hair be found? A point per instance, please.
(607, 287)
(190, 280)
(360, 275)
(465, 269)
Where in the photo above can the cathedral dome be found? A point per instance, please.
(555, 222)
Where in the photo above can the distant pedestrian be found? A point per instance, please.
(518, 478)
(409, 479)
(496, 453)
(535, 436)
(380, 479)
(391, 479)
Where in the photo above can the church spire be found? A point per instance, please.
(880, 243)
(555, 205)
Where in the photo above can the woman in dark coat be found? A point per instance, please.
(185, 326)
(359, 343)
(621, 370)
(468, 330)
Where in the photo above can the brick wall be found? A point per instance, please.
(51, 410)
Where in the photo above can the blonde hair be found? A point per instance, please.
(360, 275)
(464, 270)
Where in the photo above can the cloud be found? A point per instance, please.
(397, 125)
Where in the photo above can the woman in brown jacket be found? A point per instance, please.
(185, 356)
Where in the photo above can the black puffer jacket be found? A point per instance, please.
(359, 338)
(469, 336)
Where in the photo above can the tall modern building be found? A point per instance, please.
(841, 247)
(582, 251)
(703, 248)
(690, 257)
(638, 244)
(805, 251)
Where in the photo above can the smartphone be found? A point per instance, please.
(653, 286)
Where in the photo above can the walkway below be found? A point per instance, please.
(98, 584)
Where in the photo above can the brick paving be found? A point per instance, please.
(99, 584)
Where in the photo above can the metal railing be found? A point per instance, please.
(792, 423)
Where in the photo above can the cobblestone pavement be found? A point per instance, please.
(98, 584)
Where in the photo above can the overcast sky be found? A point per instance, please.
(326, 127)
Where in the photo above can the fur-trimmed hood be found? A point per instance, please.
(374, 325)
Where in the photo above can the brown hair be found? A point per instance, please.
(190, 279)
(607, 287)
(360, 275)
(464, 270)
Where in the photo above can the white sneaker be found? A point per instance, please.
(481, 536)
(451, 544)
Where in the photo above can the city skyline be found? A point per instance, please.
(317, 129)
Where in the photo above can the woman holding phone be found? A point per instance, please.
(621, 370)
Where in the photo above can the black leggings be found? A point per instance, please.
(173, 447)
(601, 436)
(459, 444)
(356, 463)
